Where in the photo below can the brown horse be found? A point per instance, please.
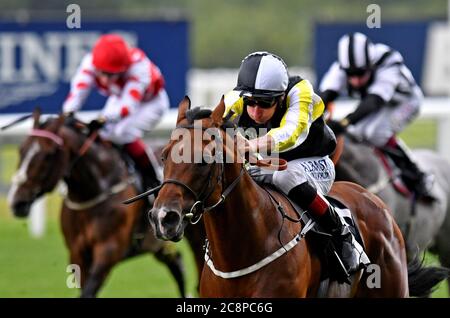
(254, 250)
(98, 230)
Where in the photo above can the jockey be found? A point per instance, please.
(292, 115)
(390, 100)
(137, 98)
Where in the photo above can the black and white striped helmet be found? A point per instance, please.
(355, 53)
(262, 74)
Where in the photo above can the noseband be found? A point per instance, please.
(48, 135)
(198, 208)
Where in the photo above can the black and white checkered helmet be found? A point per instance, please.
(262, 74)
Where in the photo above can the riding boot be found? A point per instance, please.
(137, 151)
(323, 212)
(419, 182)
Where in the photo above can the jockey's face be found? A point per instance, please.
(358, 81)
(107, 78)
(259, 114)
(261, 110)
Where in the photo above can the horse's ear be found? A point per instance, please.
(36, 117)
(183, 107)
(218, 112)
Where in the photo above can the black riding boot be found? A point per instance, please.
(417, 181)
(323, 212)
(342, 240)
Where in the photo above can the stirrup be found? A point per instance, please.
(349, 264)
(425, 187)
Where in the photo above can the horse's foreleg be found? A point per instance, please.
(105, 256)
(169, 255)
(196, 236)
(79, 258)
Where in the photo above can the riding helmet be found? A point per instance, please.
(262, 74)
(355, 53)
(111, 54)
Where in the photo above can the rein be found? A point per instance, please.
(199, 205)
(276, 164)
(78, 206)
(265, 261)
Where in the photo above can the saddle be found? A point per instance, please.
(394, 174)
(321, 241)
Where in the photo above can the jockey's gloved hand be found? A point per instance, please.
(338, 127)
(260, 175)
(96, 124)
(69, 114)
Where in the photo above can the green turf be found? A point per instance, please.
(37, 267)
(421, 134)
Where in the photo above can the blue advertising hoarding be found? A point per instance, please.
(38, 59)
(409, 38)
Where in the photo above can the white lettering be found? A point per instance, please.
(30, 57)
(74, 279)
(45, 55)
(374, 279)
(7, 60)
(193, 308)
(374, 19)
(73, 21)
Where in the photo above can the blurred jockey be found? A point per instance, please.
(137, 98)
(390, 100)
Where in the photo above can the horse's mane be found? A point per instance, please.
(197, 113)
(69, 121)
(201, 113)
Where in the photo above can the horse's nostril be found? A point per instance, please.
(171, 219)
(21, 209)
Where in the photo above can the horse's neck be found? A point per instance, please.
(358, 164)
(93, 173)
(238, 229)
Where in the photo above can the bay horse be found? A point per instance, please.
(245, 229)
(423, 224)
(98, 230)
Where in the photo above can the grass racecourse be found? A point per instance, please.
(36, 267)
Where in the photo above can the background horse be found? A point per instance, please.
(427, 225)
(98, 230)
(244, 226)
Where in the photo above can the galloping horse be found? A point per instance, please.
(425, 225)
(253, 249)
(98, 230)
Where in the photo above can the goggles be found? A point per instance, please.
(356, 72)
(261, 102)
(107, 74)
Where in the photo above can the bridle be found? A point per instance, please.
(197, 210)
(58, 140)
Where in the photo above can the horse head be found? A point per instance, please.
(46, 156)
(41, 164)
(193, 170)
